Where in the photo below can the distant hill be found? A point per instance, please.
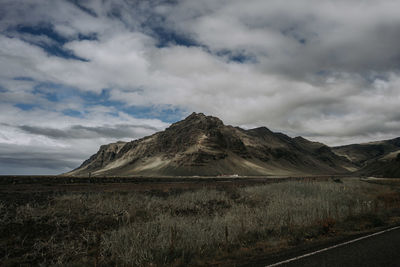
(382, 168)
(381, 158)
(202, 145)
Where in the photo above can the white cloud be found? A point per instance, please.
(328, 70)
(95, 129)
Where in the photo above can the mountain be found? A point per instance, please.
(383, 167)
(203, 145)
(381, 158)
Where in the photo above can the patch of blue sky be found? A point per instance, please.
(170, 114)
(55, 92)
(23, 78)
(167, 37)
(42, 29)
(237, 56)
(103, 98)
(79, 4)
(165, 113)
(91, 37)
(26, 106)
(72, 113)
(59, 51)
(55, 48)
(58, 93)
(48, 30)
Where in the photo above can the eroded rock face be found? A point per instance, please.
(203, 145)
(105, 155)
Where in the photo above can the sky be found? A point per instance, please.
(78, 74)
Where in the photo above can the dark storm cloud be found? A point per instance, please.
(39, 161)
(300, 38)
(22, 159)
(84, 132)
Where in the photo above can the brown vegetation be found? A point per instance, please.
(183, 227)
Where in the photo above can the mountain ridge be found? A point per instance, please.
(201, 145)
(377, 158)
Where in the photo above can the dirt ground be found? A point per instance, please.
(60, 183)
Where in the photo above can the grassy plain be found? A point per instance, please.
(178, 225)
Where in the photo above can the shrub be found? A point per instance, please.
(136, 228)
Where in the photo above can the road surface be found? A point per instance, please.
(381, 249)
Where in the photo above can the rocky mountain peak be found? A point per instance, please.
(197, 121)
(200, 118)
(260, 131)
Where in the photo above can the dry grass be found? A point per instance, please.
(136, 229)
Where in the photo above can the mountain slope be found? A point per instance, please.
(389, 168)
(379, 158)
(203, 145)
(362, 153)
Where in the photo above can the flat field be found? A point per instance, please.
(182, 221)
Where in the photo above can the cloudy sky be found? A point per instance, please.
(78, 74)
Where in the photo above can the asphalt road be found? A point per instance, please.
(378, 250)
